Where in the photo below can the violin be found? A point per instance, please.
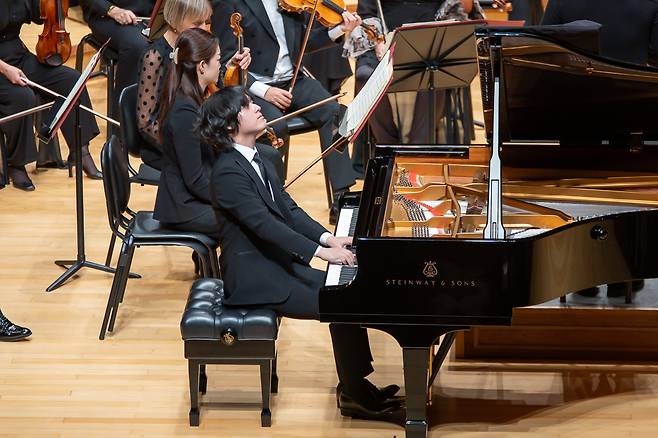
(329, 13)
(274, 140)
(54, 45)
(234, 74)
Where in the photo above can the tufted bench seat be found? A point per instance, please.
(215, 334)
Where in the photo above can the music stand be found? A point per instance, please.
(61, 110)
(433, 56)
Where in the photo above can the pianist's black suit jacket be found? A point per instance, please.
(266, 245)
(630, 27)
(259, 35)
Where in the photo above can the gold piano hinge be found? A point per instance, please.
(378, 200)
(589, 69)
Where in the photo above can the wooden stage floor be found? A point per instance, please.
(65, 382)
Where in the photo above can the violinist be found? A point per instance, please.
(367, 53)
(122, 21)
(179, 15)
(16, 64)
(276, 37)
(183, 198)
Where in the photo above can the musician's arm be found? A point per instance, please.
(98, 8)
(151, 73)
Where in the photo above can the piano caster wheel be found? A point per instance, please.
(194, 417)
(266, 418)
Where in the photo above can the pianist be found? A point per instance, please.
(267, 243)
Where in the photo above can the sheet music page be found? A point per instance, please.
(364, 103)
(75, 90)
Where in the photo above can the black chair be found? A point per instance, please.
(132, 141)
(109, 61)
(296, 126)
(140, 229)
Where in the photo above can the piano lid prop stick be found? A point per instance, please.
(26, 112)
(326, 152)
(53, 93)
(494, 228)
(306, 108)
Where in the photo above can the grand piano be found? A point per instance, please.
(576, 135)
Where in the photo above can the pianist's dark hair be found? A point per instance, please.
(219, 116)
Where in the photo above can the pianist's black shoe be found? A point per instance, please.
(619, 289)
(10, 331)
(367, 408)
(383, 394)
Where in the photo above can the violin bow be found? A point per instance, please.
(334, 147)
(306, 108)
(55, 94)
(309, 25)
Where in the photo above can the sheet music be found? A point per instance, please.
(75, 91)
(364, 103)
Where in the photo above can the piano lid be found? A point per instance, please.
(551, 92)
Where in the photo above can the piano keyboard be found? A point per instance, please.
(341, 274)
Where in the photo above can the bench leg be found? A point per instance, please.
(203, 379)
(275, 377)
(193, 371)
(265, 381)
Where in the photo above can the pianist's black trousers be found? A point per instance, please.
(350, 342)
(21, 145)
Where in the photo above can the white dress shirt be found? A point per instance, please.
(249, 153)
(284, 65)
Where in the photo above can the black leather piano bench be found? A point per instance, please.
(218, 334)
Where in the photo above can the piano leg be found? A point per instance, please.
(415, 383)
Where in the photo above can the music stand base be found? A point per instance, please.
(75, 265)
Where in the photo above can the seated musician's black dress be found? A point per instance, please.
(153, 68)
(19, 134)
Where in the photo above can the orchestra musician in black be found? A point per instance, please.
(276, 38)
(10, 331)
(16, 64)
(179, 15)
(183, 198)
(629, 31)
(122, 21)
(367, 53)
(268, 241)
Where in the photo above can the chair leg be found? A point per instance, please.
(193, 373)
(110, 96)
(110, 250)
(265, 380)
(203, 379)
(112, 301)
(121, 287)
(275, 377)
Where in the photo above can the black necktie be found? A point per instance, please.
(263, 172)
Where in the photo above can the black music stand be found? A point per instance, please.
(61, 110)
(433, 56)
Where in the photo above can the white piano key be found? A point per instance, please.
(344, 220)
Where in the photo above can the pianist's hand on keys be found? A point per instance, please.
(340, 241)
(339, 256)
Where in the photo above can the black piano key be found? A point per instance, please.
(355, 215)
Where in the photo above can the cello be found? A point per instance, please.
(54, 45)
